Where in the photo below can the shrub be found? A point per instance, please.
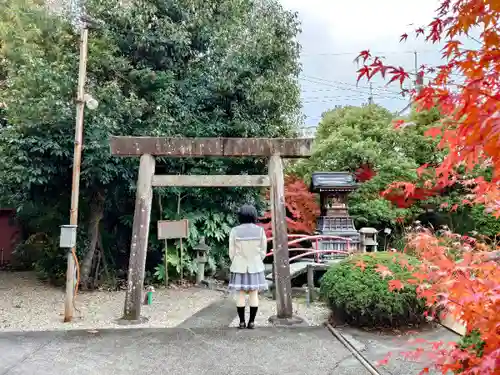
(358, 293)
(472, 341)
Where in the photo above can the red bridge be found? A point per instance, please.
(300, 267)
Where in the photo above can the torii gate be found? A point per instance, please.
(149, 147)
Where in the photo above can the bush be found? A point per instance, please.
(472, 343)
(363, 298)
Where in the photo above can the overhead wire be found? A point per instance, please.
(358, 87)
(357, 53)
(360, 92)
(377, 92)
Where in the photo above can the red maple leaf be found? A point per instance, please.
(395, 285)
(384, 360)
(421, 169)
(364, 71)
(398, 123)
(363, 55)
(364, 173)
(361, 265)
(398, 74)
(383, 271)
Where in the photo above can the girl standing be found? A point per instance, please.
(247, 250)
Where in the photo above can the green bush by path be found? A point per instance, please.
(363, 298)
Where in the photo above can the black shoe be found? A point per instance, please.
(242, 325)
(251, 325)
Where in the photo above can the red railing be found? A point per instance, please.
(316, 251)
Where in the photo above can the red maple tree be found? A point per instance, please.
(455, 275)
(302, 208)
(364, 173)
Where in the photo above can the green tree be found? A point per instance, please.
(350, 137)
(178, 68)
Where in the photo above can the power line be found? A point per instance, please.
(374, 53)
(370, 87)
(335, 84)
(366, 95)
(349, 89)
(344, 100)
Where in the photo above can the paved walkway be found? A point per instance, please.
(182, 351)
(202, 344)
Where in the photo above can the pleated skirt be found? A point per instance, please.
(248, 281)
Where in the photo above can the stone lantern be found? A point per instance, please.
(202, 250)
(368, 239)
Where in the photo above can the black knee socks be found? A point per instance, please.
(241, 313)
(253, 313)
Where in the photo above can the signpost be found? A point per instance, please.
(173, 229)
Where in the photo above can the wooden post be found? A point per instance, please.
(182, 261)
(283, 283)
(139, 244)
(310, 282)
(274, 282)
(166, 263)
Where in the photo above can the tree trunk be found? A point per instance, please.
(103, 254)
(96, 214)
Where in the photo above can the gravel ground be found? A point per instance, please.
(316, 314)
(29, 305)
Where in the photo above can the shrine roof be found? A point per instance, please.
(332, 181)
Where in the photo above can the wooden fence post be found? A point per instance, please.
(310, 282)
(139, 243)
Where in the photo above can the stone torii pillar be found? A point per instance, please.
(148, 147)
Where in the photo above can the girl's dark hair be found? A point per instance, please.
(247, 214)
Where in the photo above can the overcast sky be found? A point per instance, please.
(333, 33)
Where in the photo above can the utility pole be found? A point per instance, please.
(72, 268)
(418, 78)
(370, 98)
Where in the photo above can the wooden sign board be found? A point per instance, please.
(170, 229)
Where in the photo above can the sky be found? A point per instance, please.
(333, 33)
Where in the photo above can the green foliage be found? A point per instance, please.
(175, 265)
(420, 148)
(484, 222)
(472, 341)
(214, 226)
(179, 68)
(463, 219)
(362, 297)
(350, 137)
